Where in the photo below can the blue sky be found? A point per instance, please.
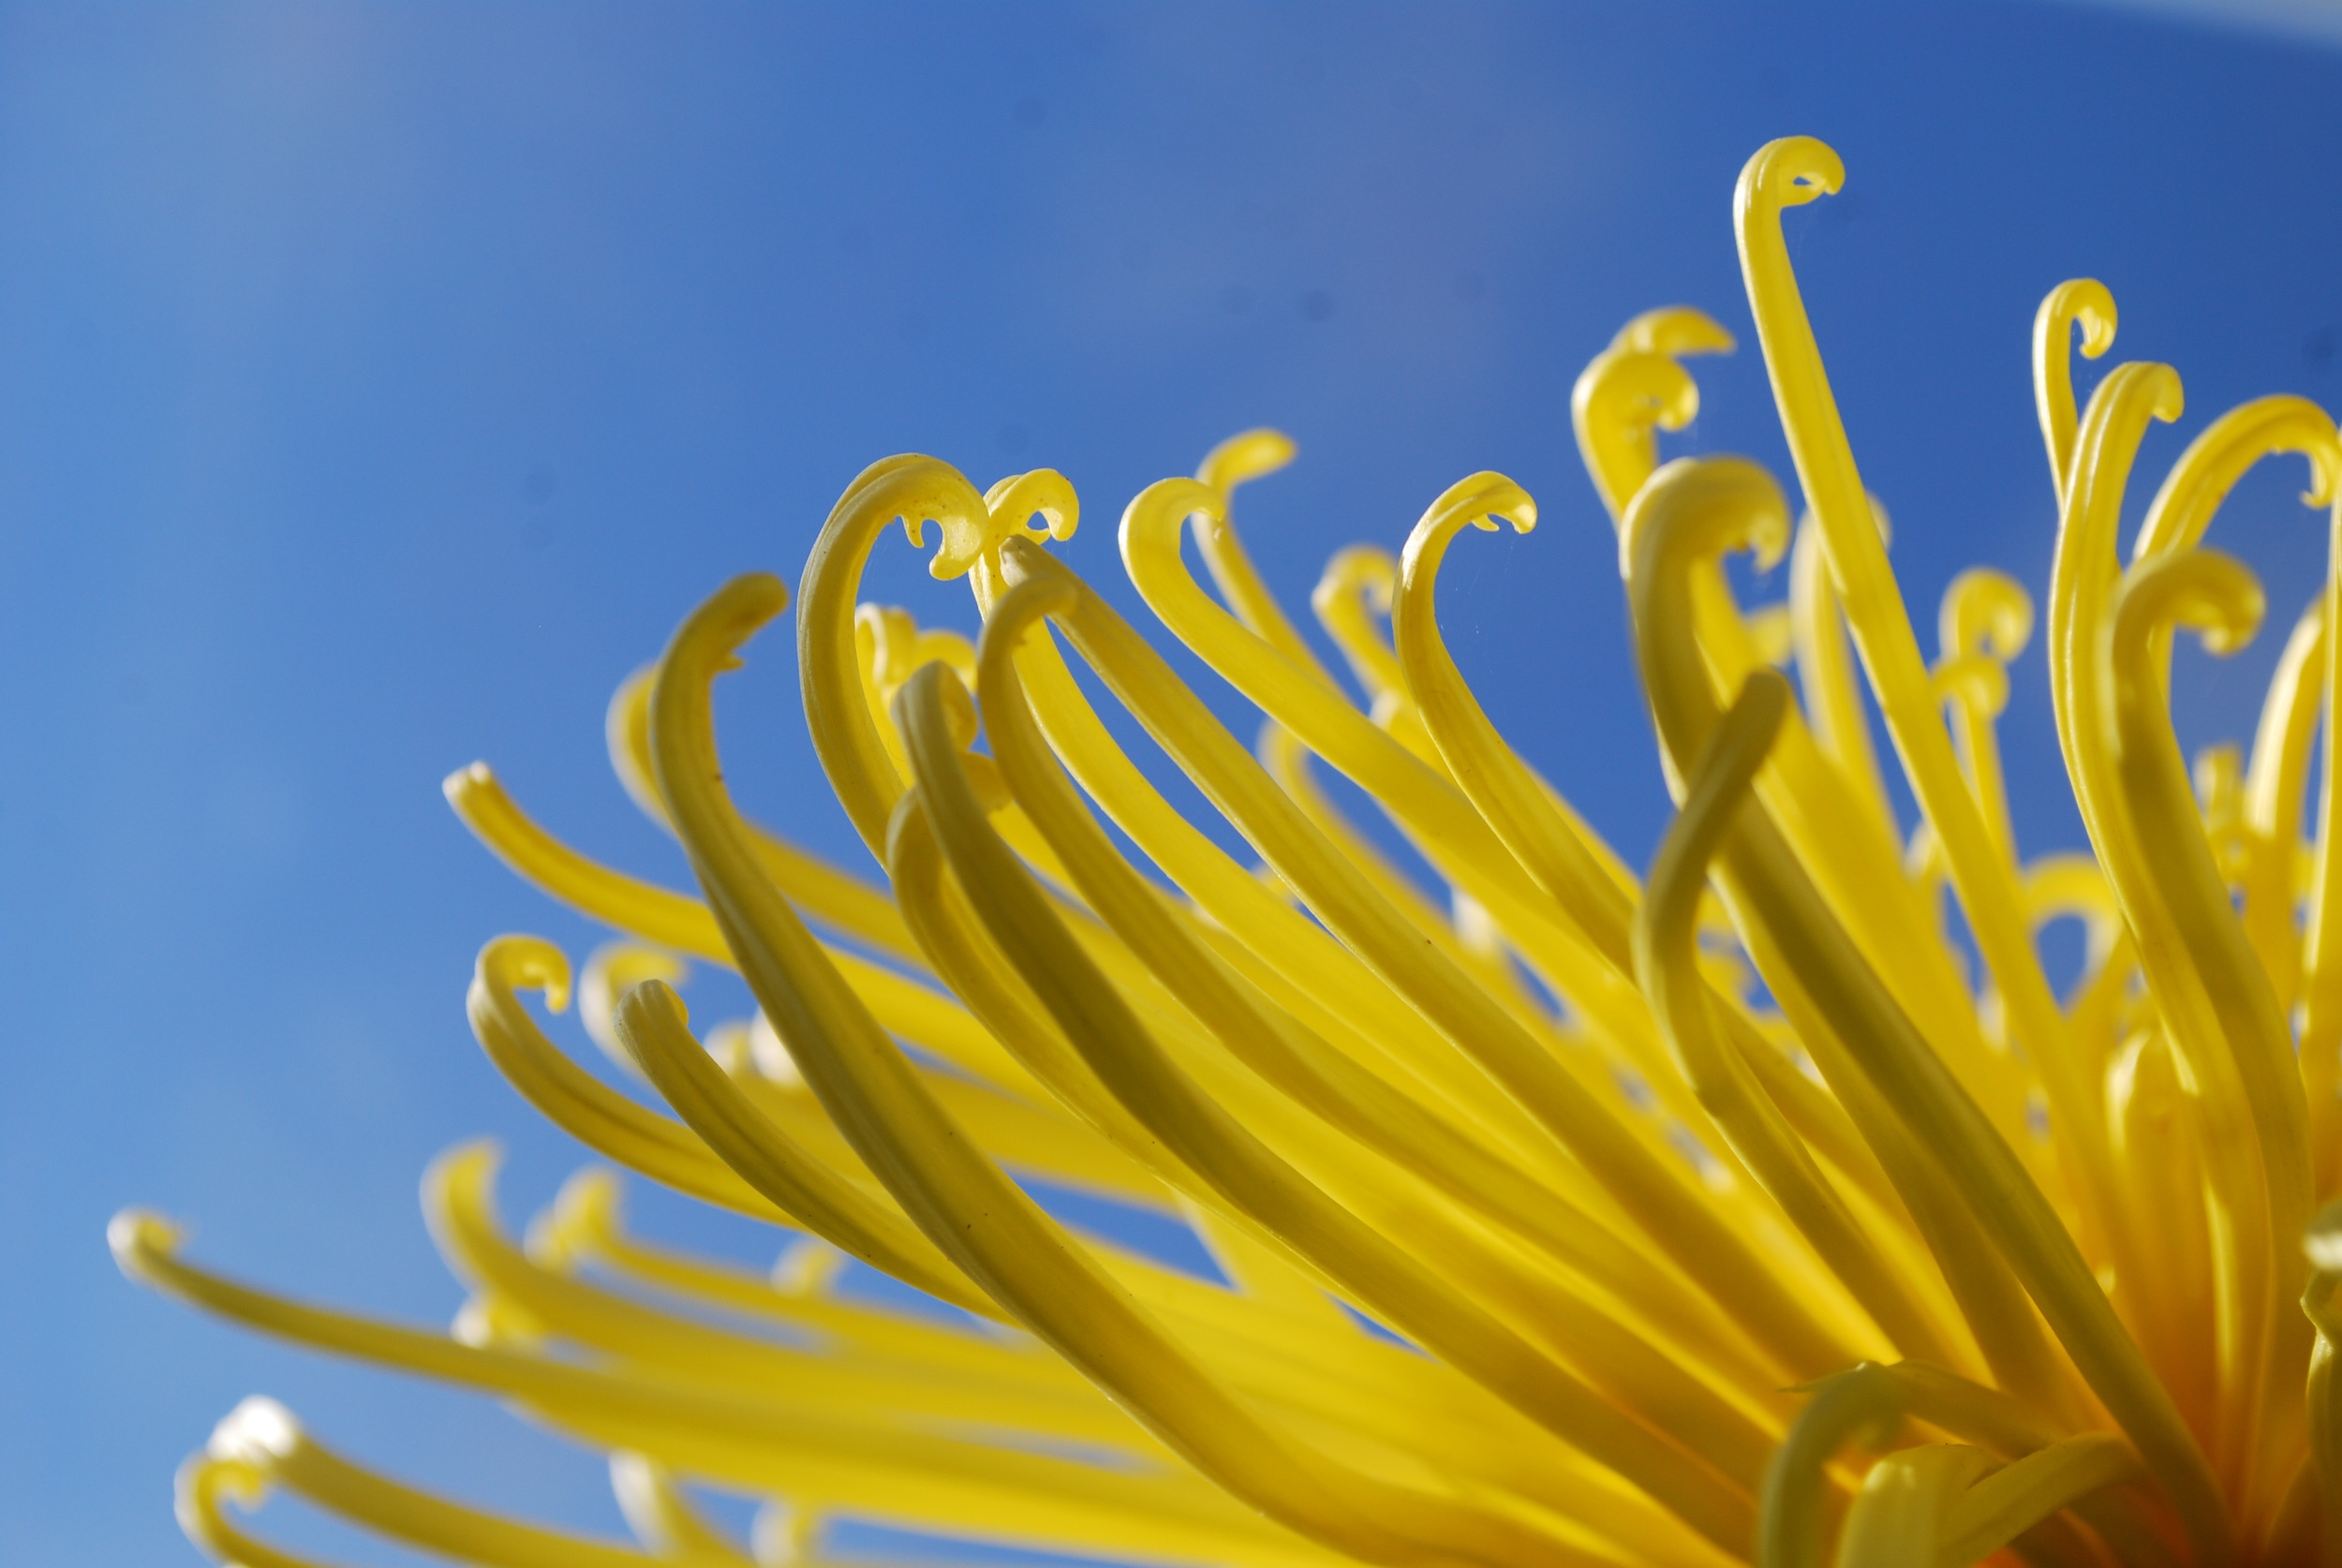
(379, 384)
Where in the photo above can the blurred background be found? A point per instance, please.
(379, 384)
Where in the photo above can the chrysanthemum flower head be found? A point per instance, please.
(1562, 1216)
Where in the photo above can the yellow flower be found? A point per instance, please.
(1719, 1215)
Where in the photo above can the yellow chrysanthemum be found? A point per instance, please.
(1776, 1238)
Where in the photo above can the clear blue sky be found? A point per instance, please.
(379, 384)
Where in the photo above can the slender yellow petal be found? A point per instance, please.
(1119, 1049)
(830, 897)
(662, 1518)
(1826, 670)
(1524, 1182)
(990, 1230)
(1240, 460)
(1665, 959)
(2083, 302)
(2213, 594)
(610, 970)
(1514, 801)
(202, 1485)
(1633, 389)
(1692, 506)
(2323, 1245)
(913, 490)
(1359, 585)
(1986, 620)
(1788, 174)
(1858, 1404)
(651, 1022)
(263, 1434)
(883, 1465)
(1902, 1515)
(573, 1098)
(2276, 788)
(1660, 1200)
(668, 919)
(2003, 1505)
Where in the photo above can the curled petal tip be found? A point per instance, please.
(588, 1204)
(1674, 330)
(1638, 387)
(2325, 470)
(1008, 511)
(2208, 592)
(259, 1432)
(2093, 310)
(1155, 514)
(467, 1165)
(1791, 171)
(528, 963)
(1245, 457)
(1726, 502)
(1483, 501)
(1016, 499)
(1367, 571)
(1619, 400)
(1523, 516)
(135, 1236)
(2087, 304)
(2169, 394)
(706, 645)
(2240, 623)
(1986, 613)
(1976, 679)
(2203, 479)
(912, 490)
(1493, 499)
(748, 601)
(464, 780)
(203, 1480)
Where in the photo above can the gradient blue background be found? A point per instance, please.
(378, 385)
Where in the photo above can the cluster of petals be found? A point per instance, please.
(1771, 1206)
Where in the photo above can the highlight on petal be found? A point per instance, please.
(1281, 1187)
